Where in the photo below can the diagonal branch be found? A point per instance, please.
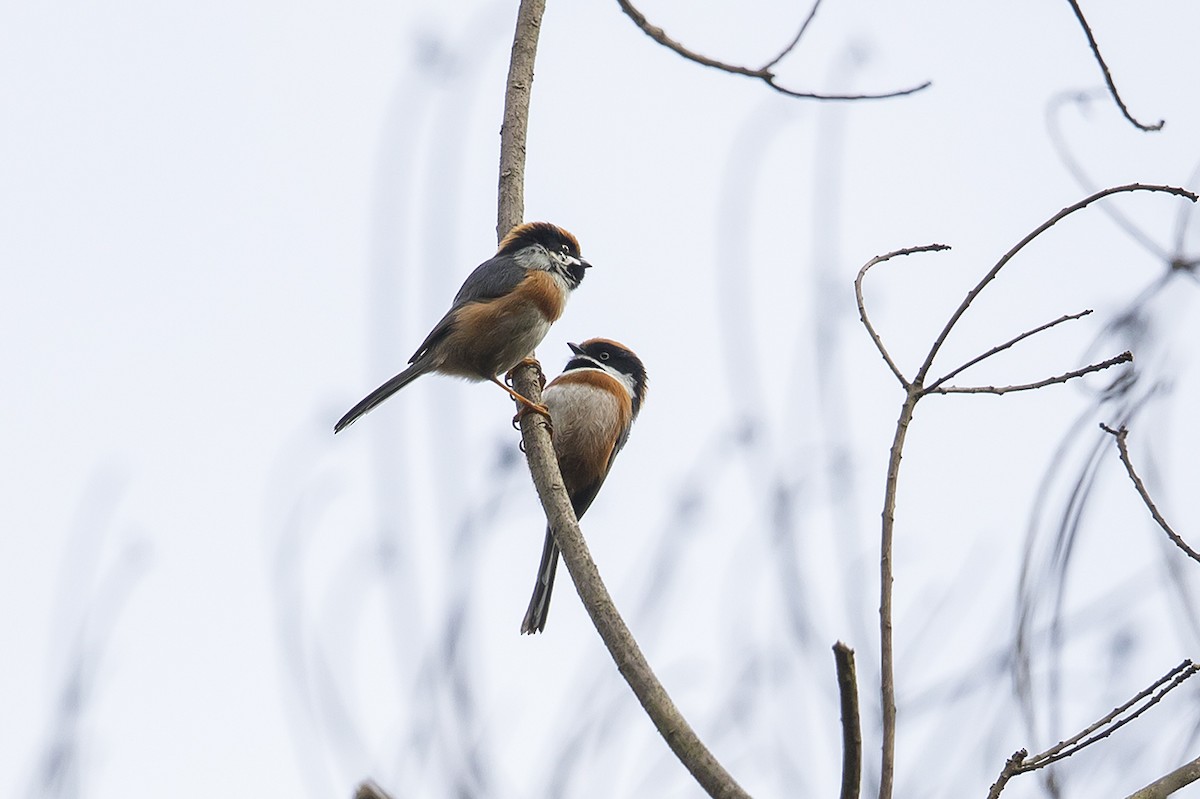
(1112, 87)
(762, 73)
(1177, 539)
(1124, 357)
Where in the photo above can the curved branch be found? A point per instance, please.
(1112, 87)
(862, 308)
(762, 73)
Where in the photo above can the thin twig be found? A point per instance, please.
(847, 678)
(1008, 256)
(862, 309)
(1002, 347)
(1124, 357)
(543, 463)
(1123, 449)
(1170, 783)
(762, 73)
(812, 13)
(1112, 87)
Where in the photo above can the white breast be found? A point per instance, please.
(585, 418)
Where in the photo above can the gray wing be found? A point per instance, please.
(493, 278)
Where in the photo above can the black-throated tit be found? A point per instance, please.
(502, 312)
(592, 407)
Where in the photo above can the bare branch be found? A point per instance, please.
(1121, 435)
(1011, 769)
(1170, 783)
(1002, 347)
(1008, 256)
(674, 728)
(847, 678)
(1124, 357)
(1112, 87)
(762, 73)
(862, 309)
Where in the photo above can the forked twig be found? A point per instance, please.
(1021, 763)
(763, 73)
(1121, 434)
(1108, 79)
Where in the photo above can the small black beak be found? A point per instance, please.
(584, 264)
(575, 348)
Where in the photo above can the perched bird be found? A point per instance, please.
(592, 407)
(501, 313)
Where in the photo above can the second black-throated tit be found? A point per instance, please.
(592, 404)
(502, 312)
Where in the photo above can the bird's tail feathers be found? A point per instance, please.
(367, 403)
(539, 603)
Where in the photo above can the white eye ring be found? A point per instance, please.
(604, 356)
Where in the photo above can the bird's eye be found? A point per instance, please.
(604, 356)
(565, 248)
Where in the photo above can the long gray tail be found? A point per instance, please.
(539, 603)
(380, 394)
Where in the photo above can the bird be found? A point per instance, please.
(592, 405)
(502, 312)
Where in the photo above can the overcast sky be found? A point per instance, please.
(223, 223)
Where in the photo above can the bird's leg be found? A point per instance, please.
(528, 360)
(527, 404)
